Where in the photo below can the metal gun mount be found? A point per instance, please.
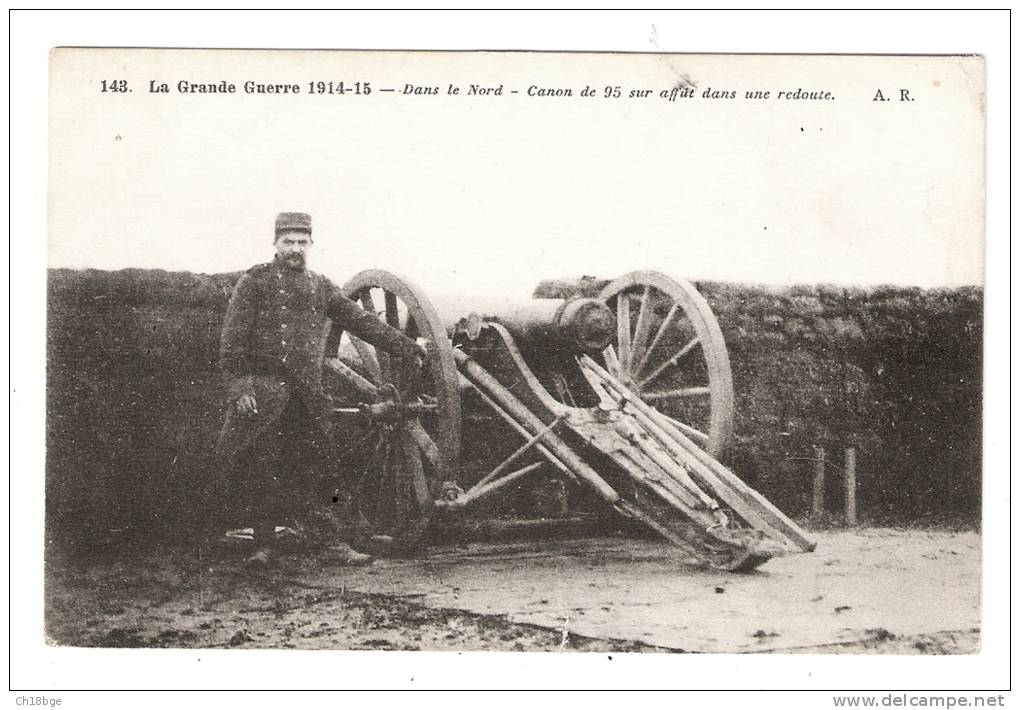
(628, 395)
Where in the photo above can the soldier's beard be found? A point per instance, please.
(293, 261)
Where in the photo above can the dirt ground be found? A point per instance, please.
(863, 591)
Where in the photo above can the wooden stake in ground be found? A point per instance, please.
(850, 479)
(818, 487)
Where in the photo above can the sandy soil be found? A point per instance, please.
(866, 591)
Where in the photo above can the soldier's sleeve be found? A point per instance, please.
(235, 339)
(367, 326)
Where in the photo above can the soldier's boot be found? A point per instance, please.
(265, 547)
(342, 554)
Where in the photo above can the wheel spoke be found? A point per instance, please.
(412, 328)
(367, 354)
(405, 377)
(351, 377)
(413, 468)
(611, 360)
(670, 362)
(623, 330)
(392, 312)
(367, 302)
(687, 429)
(674, 311)
(385, 365)
(644, 323)
(426, 444)
(683, 392)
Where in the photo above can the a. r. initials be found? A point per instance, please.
(904, 95)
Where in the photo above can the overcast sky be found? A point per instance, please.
(492, 194)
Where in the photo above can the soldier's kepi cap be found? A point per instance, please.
(293, 222)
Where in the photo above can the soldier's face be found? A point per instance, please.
(292, 248)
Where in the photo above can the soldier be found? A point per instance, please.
(271, 352)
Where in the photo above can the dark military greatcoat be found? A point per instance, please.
(273, 344)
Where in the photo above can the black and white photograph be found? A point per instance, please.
(613, 355)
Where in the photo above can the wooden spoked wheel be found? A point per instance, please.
(670, 351)
(410, 456)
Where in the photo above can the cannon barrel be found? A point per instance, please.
(585, 324)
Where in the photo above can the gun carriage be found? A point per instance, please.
(627, 397)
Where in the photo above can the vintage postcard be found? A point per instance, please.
(515, 351)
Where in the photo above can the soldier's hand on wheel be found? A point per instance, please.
(246, 404)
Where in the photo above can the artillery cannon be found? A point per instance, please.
(628, 395)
